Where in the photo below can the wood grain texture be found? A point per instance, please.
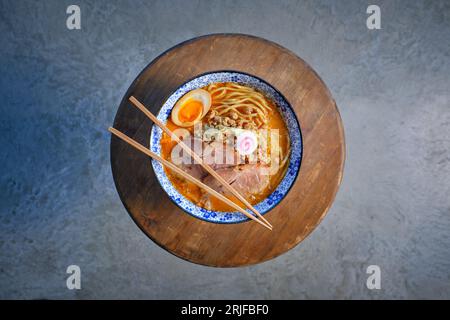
(229, 245)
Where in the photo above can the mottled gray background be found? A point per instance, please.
(60, 90)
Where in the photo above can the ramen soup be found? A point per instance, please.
(236, 130)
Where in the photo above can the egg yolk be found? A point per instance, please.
(190, 111)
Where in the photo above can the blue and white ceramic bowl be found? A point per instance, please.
(292, 124)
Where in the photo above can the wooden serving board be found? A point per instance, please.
(230, 245)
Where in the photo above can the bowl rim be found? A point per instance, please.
(294, 181)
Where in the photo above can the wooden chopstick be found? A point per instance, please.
(173, 167)
(199, 160)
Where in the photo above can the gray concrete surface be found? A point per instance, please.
(60, 89)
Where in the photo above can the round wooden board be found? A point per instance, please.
(230, 245)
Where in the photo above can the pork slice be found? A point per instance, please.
(184, 161)
(220, 155)
(248, 180)
(252, 180)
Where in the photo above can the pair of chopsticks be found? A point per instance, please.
(198, 159)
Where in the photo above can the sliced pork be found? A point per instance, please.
(216, 154)
(184, 161)
(220, 155)
(248, 180)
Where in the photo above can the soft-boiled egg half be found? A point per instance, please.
(193, 106)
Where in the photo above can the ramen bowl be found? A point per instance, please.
(288, 116)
